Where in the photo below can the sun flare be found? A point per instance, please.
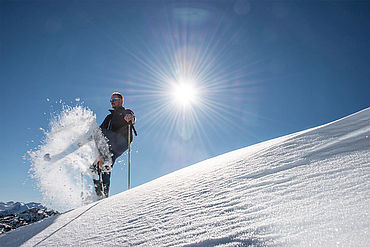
(184, 92)
(188, 84)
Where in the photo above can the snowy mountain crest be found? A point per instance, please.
(17, 214)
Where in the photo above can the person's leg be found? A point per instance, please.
(117, 145)
(98, 188)
(104, 144)
(106, 183)
(97, 174)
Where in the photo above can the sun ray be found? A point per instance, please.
(179, 109)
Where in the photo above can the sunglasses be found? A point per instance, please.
(114, 99)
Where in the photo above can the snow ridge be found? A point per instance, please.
(16, 214)
(12, 207)
(311, 188)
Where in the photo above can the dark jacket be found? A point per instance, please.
(116, 122)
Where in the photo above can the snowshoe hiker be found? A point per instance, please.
(115, 129)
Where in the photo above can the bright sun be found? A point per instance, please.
(184, 93)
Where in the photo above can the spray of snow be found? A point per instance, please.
(61, 163)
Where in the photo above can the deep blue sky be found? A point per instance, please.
(266, 69)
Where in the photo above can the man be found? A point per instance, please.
(115, 128)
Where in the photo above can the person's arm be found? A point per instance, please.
(105, 123)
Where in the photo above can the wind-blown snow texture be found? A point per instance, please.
(310, 188)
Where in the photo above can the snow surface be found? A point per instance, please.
(310, 188)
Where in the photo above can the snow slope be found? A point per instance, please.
(310, 188)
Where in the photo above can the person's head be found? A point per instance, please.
(116, 99)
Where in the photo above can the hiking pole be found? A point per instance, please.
(129, 153)
(82, 181)
(82, 187)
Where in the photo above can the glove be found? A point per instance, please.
(130, 117)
